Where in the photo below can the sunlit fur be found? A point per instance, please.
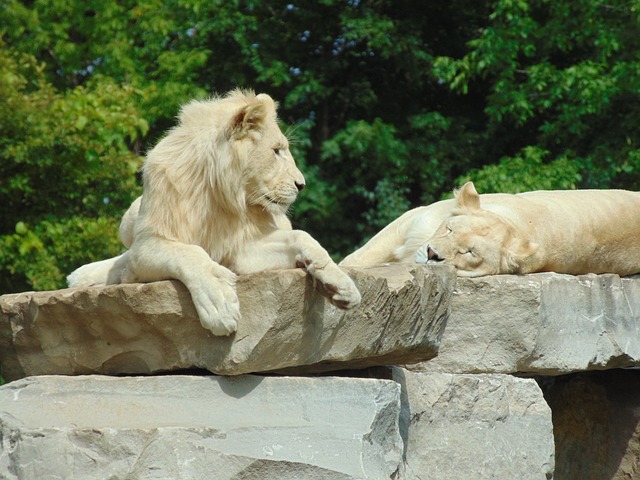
(570, 231)
(227, 173)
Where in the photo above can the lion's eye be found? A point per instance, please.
(470, 252)
(449, 229)
(277, 151)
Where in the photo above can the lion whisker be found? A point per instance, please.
(291, 133)
(255, 197)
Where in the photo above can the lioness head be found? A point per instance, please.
(475, 241)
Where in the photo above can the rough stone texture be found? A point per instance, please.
(544, 323)
(483, 426)
(186, 427)
(596, 423)
(145, 328)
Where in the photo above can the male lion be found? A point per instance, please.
(215, 195)
(573, 231)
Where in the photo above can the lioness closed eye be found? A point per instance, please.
(215, 195)
(573, 231)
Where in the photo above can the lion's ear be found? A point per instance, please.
(268, 101)
(249, 117)
(467, 197)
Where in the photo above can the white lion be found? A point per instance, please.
(215, 195)
(572, 231)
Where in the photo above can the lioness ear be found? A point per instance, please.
(467, 197)
(516, 255)
(249, 117)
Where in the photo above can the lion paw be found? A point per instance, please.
(337, 287)
(217, 306)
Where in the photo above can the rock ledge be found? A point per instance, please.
(147, 328)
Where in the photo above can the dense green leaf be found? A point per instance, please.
(391, 104)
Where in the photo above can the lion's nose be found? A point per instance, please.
(433, 255)
(300, 185)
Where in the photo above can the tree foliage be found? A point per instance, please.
(562, 77)
(66, 170)
(389, 104)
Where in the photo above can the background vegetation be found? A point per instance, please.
(391, 104)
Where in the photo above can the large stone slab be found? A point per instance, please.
(199, 428)
(483, 426)
(596, 423)
(543, 323)
(145, 328)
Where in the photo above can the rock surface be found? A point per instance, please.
(474, 426)
(545, 323)
(596, 423)
(146, 328)
(455, 416)
(186, 427)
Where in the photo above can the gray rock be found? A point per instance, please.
(145, 328)
(474, 426)
(596, 423)
(543, 323)
(185, 427)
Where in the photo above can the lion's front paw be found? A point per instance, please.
(337, 287)
(217, 305)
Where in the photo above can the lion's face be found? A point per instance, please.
(475, 244)
(475, 241)
(272, 178)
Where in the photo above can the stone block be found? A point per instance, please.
(199, 428)
(483, 426)
(146, 328)
(545, 323)
(596, 424)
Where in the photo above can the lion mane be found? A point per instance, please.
(201, 169)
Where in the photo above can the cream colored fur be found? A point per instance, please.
(574, 232)
(216, 191)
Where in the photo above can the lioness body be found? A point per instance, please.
(574, 232)
(216, 190)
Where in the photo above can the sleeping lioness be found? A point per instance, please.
(574, 232)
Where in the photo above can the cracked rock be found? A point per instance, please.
(544, 324)
(286, 326)
(483, 426)
(201, 428)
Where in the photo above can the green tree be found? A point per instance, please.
(66, 172)
(390, 104)
(561, 82)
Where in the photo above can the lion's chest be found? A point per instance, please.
(225, 241)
